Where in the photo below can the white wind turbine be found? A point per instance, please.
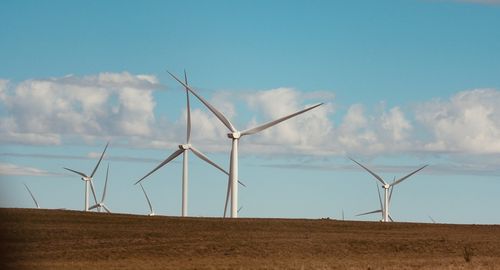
(235, 136)
(381, 204)
(386, 187)
(32, 196)
(151, 211)
(88, 180)
(183, 149)
(100, 205)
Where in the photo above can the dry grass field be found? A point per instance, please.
(56, 239)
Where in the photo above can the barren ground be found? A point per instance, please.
(57, 239)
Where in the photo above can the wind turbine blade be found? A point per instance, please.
(391, 218)
(147, 198)
(172, 156)
(97, 165)
(93, 206)
(77, 172)
(392, 187)
(227, 196)
(372, 173)
(433, 221)
(404, 178)
(106, 208)
(93, 190)
(277, 121)
(202, 156)
(218, 114)
(241, 207)
(228, 183)
(105, 185)
(207, 160)
(379, 197)
(371, 212)
(32, 196)
(390, 194)
(188, 124)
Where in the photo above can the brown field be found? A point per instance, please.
(57, 239)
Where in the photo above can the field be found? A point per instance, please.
(57, 239)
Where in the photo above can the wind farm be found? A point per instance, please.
(330, 236)
(250, 135)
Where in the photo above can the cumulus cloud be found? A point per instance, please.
(468, 122)
(308, 131)
(368, 132)
(122, 105)
(41, 111)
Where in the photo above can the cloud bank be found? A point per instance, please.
(120, 107)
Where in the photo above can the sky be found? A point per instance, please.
(404, 84)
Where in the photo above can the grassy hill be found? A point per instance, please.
(58, 239)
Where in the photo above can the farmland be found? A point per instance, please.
(59, 239)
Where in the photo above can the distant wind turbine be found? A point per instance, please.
(433, 221)
(151, 211)
(88, 180)
(101, 204)
(235, 136)
(386, 187)
(32, 196)
(183, 149)
(381, 204)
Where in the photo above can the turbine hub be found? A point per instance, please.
(386, 186)
(185, 146)
(234, 135)
(86, 178)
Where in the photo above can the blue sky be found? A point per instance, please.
(405, 83)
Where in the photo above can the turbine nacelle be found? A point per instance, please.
(87, 178)
(186, 146)
(386, 186)
(234, 135)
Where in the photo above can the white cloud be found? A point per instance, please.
(107, 104)
(468, 122)
(121, 105)
(305, 132)
(373, 132)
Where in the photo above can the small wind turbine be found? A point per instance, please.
(381, 205)
(433, 221)
(88, 180)
(183, 149)
(386, 186)
(32, 196)
(151, 211)
(101, 204)
(235, 136)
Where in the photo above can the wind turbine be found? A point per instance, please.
(32, 196)
(151, 211)
(386, 187)
(381, 205)
(101, 204)
(184, 149)
(235, 136)
(88, 180)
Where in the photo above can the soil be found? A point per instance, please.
(60, 239)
